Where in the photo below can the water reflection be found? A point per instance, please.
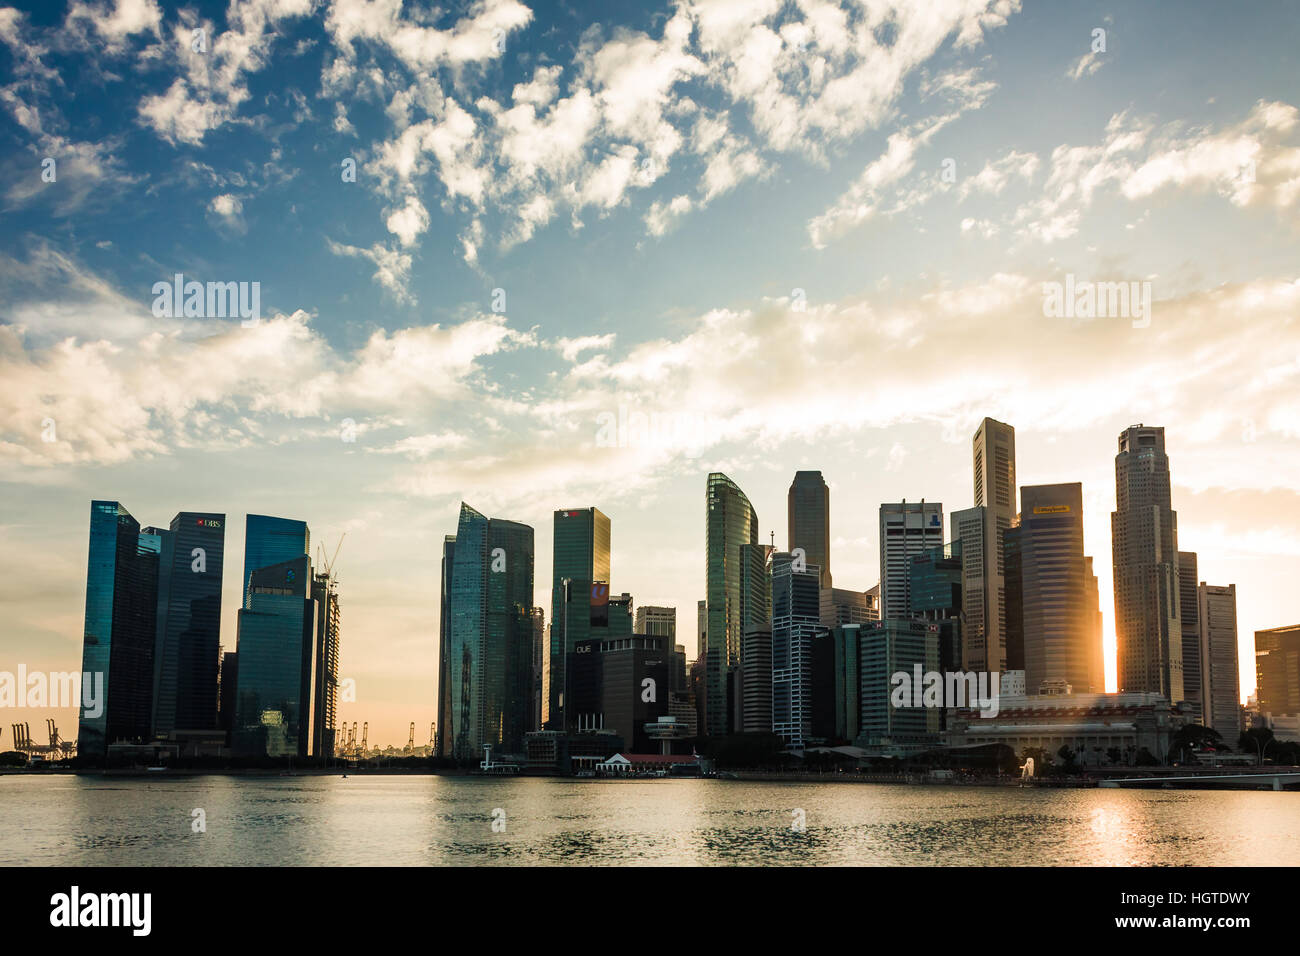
(420, 820)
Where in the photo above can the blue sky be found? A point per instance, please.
(729, 215)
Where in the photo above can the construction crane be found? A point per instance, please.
(329, 565)
(410, 741)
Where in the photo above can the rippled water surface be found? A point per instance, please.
(421, 820)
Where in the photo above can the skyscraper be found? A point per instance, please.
(268, 541)
(796, 619)
(970, 530)
(120, 625)
(1046, 579)
(994, 456)
(660, 621)
(489, 668)
(907, 529)
(541, 653)
(1277, 671)
(730, 522)
(808, 506)
(581, 557)
(756, 638)
(329, 642)
(443, 744)
(1144, 543)
(1220, 691)
(1097, 640)
(277, 646)
(187, 643)
(701, 628)
(1189, 617)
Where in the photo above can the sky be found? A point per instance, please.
(771, 236)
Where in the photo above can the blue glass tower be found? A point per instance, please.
(118, 639)
(488, 687)
(188, 639)
(269, 541)
(277, 641)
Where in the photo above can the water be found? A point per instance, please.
(423, 820)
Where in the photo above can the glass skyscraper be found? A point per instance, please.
(269, 541)
(730, 522)
(581, 556)
(808, 506)
(277, 641)
(187, 644)
(1144, 542)
(488, 690)
(796, 618)
(120, 625)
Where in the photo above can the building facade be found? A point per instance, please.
(796, 619)
(993, 450)
(808, 505)
(187, 647)
(1046, 581)
(120, 629)
(1220, 689)
(490, 653)
(730, 522)
(277, 644)
(1144, 542)
(907, 529)
(580, 571)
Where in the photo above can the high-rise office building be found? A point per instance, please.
(796, 619)
(994, 457)
(907, 529)
(489, 668)
(269, 540)
(887, 648)
(120, 625)
(329, 644)
(970, 532)
(541, 653)
(730, 522)
(660, 621)
(840, 606)
(701, 628)
(1144, 543)
(808, 506)
(579, 591)
(229, 692)
(1046, 583)
(1220, 690)
(756, 638)
(1189, 617)
(1097, 639)
(621, 684)
(277, 645)
(187, 643)
(936, 598)
(1277, 671)
(443, 743)
(994, 460)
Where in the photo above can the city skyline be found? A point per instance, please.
(534, 258)
(281, 527)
